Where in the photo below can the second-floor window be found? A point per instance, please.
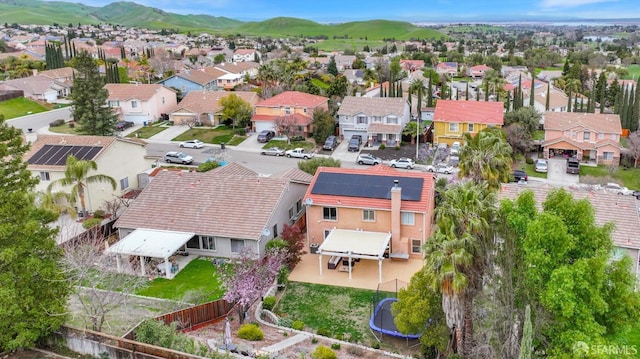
(114, 103)
(287, 110)
(134, 104)
(368, 215)
(471, 127)
(330, 213)
(453, 127)
(614, 136)
(407, 218)
(586, 136)
(392, 120)
(124, 183)
(44, 176)
(361, 120)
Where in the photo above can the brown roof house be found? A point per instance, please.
(215, 214)
(205, 106)
(376, 119)
(591, 137)
(141, 103)
(41, 88)
(290, 106)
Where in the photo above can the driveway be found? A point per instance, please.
(557, 174)
(342, 153)
(170, 133)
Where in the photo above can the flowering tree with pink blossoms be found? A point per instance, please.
(247, 278)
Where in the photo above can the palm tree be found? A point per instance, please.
(486, 157)
(76, 175)
(418, 88)
(455, 254)
(55, 202)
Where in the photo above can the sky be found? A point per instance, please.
(404, 10)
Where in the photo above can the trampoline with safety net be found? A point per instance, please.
(382, 320)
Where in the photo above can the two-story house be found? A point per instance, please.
(447, 68)
(190, 80)
(588, 136)
(205, 106)
(294, 106)
(376, 119)
(452, 118)
(120, 158)
(231, 74)
(478, 71)
(241, 55)
(376, 213)
(411, 65)
(140, 103)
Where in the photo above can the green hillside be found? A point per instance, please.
(45, 13)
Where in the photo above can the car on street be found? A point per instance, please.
(330, 143)
(440, 168)
(618, 189)
(178, 157)
(519, 175)
(368, 159)
(636, 194)
(402, 162)
(192, 144)
(123, 125)
(299, 153)
(266, 136)
(273, 151)
(542, 165)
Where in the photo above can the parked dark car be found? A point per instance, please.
(519, 175)
(123, 125)
(573, 165)
(266, 136)
(330, 143)
(354, 143)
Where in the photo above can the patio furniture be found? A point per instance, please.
(344, 269)
(333, 262)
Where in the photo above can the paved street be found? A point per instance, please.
(40, 120)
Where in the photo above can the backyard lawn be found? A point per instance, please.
(197, 277)
(634, 72)
(216, 135)
(289, 146)
(147, 131)
(629, 177)
(20, 107)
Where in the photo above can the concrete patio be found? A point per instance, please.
(364, 274)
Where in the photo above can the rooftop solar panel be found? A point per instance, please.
(56, 155)
(367, 186)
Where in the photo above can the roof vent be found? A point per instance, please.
(395, 183)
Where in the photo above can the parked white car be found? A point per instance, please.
(299, 153)
(618, 189)
(402, 162)
(440, 168)
(455, 148)
(367, 159)
(192, 144)
(541, 165)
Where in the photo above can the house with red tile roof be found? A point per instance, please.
(216, 213)
(447, 68)
(205, 106)
(478, 71)
(590, 137)
(241, 55)
(452, 118)
(377, 213)
(140, 103)
(376, 119)
(411, 65)
(293, 106)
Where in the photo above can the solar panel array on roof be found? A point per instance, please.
(56, 155)
(367, 186)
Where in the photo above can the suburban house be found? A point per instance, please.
(241, 55)
(478, 71)
(231, 74)
(452, 118)
(609, 208)
(344, 62)
(411, 65)
(376, 213)
(291, 106)
(204, 106)
(40, 88)
(377, 119)
(447, 68)
(590, 137)
(140, 103)
(190, 80)
(214, 214)
(557, 99)
(120, 158)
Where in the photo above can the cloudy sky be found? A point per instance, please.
(406, 10)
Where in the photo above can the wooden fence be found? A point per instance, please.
(10, 94)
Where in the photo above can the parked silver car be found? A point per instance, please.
(178, 157)
(402, 162)
(367, 159)
(273, 151)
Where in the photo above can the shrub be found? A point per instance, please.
(285, 322)
(250, 332)
(269, 302)
(335, 346)
(207, 166)
(283, 277)
(324, 332)
(298, 325)
(56, 123)
(297, 138)
(323, 352)
(382, 146)
(240, 131)
(277, 243)
(529, 160)
(397, 148)
(375, 345)
(340, 336)
(314, 340)
(92, 222)
(98, 214)
(72, 124)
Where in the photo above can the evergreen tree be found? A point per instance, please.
(575, 103)
(565, 68)
(89, 99)
(635, 112)
(430, 94)
(32, 285)
(569, 101)
(466, 95)
(547, 104)
(532, 96)
(332, 68)
(486, 91)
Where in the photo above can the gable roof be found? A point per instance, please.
(490, 113)
(199, 77)
(599, 122)
(209, 101)
(295, 175)
(221, 202)
(33, 85)
(126, 92)
(294, 99)
(372, 106)
(373, 175)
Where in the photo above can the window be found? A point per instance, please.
(114, 103)
(586, 136)
(304, 110)
(601, 136)
(416, 245)
(299, 206)
(44, 176)
(617, 253)
(275, 230)
(607, 156)
(392, 120)
(291, 213)
(407, 218)
(453, 127)
(237, 245)
(327, 232)
(614, 136)
(361, 120)
(194, 242)
(124, 183)
(163, 99)
(368, 215)
(134, 104)
(330, 214)
(287, 110)
(471, 127)
(208, 243)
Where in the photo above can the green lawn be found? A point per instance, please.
(289, 146)
(147, 131)
(629, 177)
(66, 129)
(634, 72)
(339, 310)
(531, 171)
(630, 338)
(216, 135)
(320, 84)
(21, 106)
(196, 276)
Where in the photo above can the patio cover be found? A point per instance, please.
(355, 244)
(151, 243)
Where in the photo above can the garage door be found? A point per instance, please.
(264, 125)
(347, 135)
(137, 119)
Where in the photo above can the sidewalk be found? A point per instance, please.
(169, 134)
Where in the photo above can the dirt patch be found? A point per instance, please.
(406, 150)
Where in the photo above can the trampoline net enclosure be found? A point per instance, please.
(382, 320)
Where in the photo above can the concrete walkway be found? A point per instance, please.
(169, 134)
(291, 341)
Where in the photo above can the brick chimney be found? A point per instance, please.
(396, 200)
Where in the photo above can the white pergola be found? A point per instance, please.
(150, 243)
(355, 244)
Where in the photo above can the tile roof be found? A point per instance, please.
(609, 208)
(214, 72)
(209, 101)
(132, 91)
(213, 203)
(61, 73)
(469, 112)
(558, 98)
(244, 51)
(197, 76)
(294, 175)
(294, 99)
(372, 106)
(423, 205)
(298, 118)
(601, 123)
(384, 128)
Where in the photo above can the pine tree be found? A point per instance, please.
(547, 99)
(430, 94)
(466, 94)
(331, 67)
(569, 101)
(89, 99)
(566, 67)
(532, 95)
(635, 113)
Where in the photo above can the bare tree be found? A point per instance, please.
(91, 271)
(192, 122)
(285, 125)
(634, 147)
